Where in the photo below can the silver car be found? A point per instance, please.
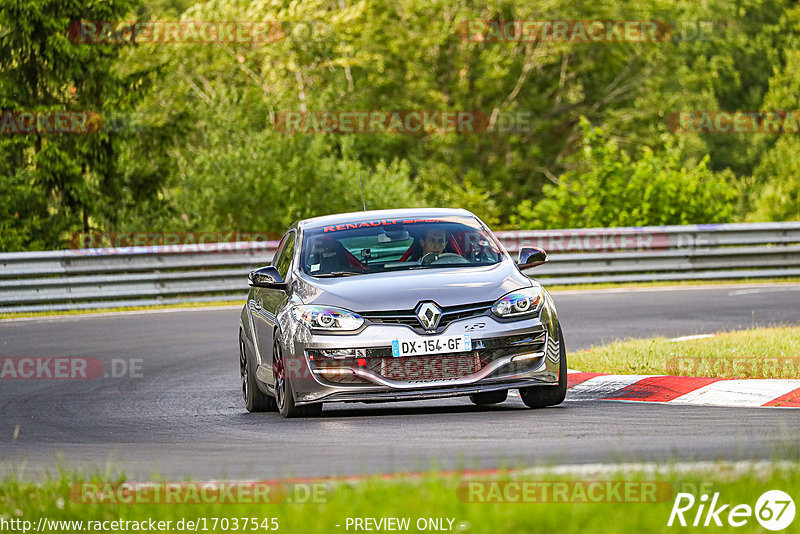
(396, 305)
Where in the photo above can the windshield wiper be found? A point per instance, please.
(337, 274)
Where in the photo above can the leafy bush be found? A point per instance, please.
(776, 179)
(272, 180)
(610, 188)
(779, 198)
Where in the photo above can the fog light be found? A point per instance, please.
(527, 356)
(336, 371)
(340, 354)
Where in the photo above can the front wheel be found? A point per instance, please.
(284, 396)
(254, 399)
(542, 396)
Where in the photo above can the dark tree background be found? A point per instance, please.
(190, 142)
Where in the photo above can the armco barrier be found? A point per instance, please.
(103, 278)
(106, 278)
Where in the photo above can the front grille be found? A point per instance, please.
(409, 317)
(426, 368)
(345, 379)
(435, 367)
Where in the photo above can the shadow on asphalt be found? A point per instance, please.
(356, 411)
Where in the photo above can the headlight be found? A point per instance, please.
(329, 318)
(519, 303)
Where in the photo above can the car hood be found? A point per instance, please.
(403, 290)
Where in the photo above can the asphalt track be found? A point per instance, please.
(184, 415)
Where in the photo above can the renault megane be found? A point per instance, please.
(396, 305)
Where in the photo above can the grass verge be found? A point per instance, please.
(636, 285)
(755, 353)
(20, 315)
(534, 502)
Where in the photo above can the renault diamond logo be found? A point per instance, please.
(429, 314)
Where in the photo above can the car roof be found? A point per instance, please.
(341, 218)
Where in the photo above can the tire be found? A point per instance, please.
(254, 399)
(543, 396)
(489, 397)
(284, 396)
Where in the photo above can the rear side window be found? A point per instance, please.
(283, 258)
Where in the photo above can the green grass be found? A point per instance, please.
(431, 496)
(635, 285)
(19, 315)
(756, 353)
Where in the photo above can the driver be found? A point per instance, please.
(434, 241)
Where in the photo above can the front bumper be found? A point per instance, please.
(360, 367)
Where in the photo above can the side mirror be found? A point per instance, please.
(267, 277)
(531, 257)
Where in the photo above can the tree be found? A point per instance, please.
(54, 184)
(609, 188)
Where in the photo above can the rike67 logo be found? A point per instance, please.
(774, 510)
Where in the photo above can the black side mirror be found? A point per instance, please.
(531, 257)
(267, 277)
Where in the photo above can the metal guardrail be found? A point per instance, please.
(104, 278)
(663, 253)
(129, 276)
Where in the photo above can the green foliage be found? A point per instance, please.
(779, 198)
(441, 188)
(775, 184)
(610, 188)
(636, 499)
(21, 222)
(206, 154)
(56, 184)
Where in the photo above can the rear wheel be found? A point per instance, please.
(489, 397)
(284, 396)
(542, 396)
(254, 399)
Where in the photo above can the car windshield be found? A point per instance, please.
(371, 246)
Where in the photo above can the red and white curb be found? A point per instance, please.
(683, 390)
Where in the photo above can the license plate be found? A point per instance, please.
(431, 345)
